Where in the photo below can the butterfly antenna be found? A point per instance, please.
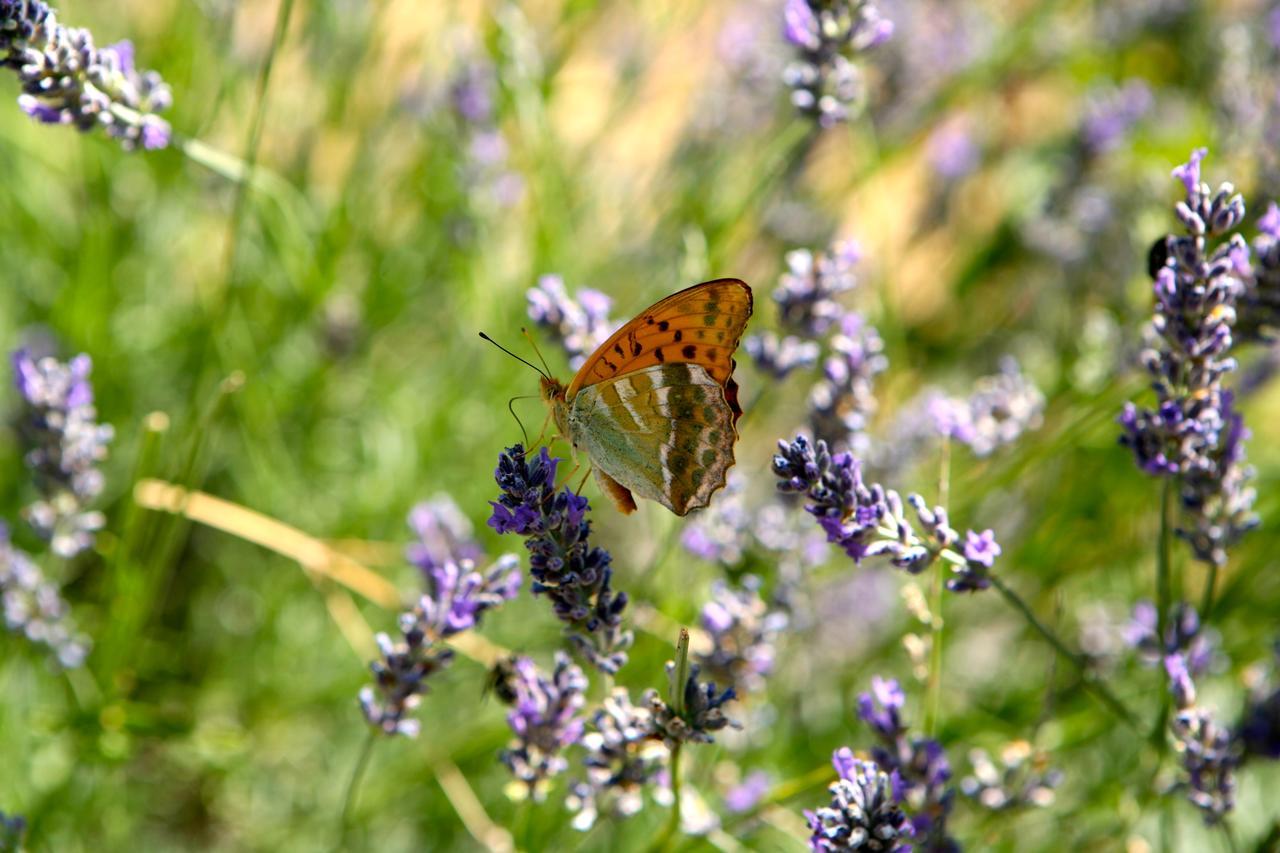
(546, 374)
(537, 351)
(511, 407)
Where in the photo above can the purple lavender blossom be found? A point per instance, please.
(1111, 113)
(622, 760)
(864, 813)
(744, 633)
(807, 291)
(746, 794)
(779, 356)
(824, 81)
(66, 80)
(34, 608)
(1198, 647)
(1259, 728)
(66, 446)
(1194, 433)
(1259, 308)
(473, 98)
(1210, 755)
(951, 149)
(545, 721)
(870, 521)
(843, 401)
(574, 574)
(457, 599)
(12, 828)
(918, 764)
(1023, 778)
(578, 325)
(443, 535)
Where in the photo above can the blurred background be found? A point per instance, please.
(307, 347)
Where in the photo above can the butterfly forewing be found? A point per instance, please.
(699, 325)
(665, 432)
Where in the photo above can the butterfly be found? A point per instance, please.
(655, 407)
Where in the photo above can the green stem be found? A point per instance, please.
(1091, 681)
(935, 606)
(679, 678)
(1162, 563)
(1206, 601)
(353, 785)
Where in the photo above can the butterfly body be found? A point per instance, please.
(655, 407)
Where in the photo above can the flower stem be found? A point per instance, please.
(353, 785)
(1090, 680)
(1206, 601)
(935, 606)
(1162, 562)
(679, 678)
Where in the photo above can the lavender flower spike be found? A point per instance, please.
(66, 446)
(545, 721)
(67, 80)
(863, 814)
(565, 566)
(34, 608)
(824, 81)
(1194, 433)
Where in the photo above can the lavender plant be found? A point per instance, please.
(744, 632)
(999, 410)
(65, 79)
(1022, 778)
(1209, 753)
(34, 608)
(918, 764)
(545, 720)
(864, 813)
(622, 760)
(443, 535)
(1259, 309)
(486, 170)
(457, 598)
(869, 521)
(828, 35)
(578, 325)
(66, 445)
(1194, 434)
(12, 828)
(565, 566)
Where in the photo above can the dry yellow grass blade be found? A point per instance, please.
(469, 809)
(311, 553)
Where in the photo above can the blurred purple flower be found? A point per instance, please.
(1110, 113)
(622, 759)
(843, 401)
(66, 445)
(545, 721)
(1023, 779)
(34, 608)
(443, 535)
(828, 35)
(807, 291)
(458, 595)
(747, 793)
(1199, 647)
(951, 150)
(578, 325)
(744, 633)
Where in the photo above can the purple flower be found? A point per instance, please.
(824, 81)
(622, 760)
(443, 535)
(578, 325)
(1259, 729)
(67, 80)
(12, 828)
(807, 291)
(951, 149)
(1180, 684)
(881, 708)
(843, 401)
(980, 552)
(34, 608)
(457, 595)
(700, 712)
(1194, 432)
(565, 566)
(744, 632)
(66, 445)
(1184, 636)
(864, 811)
(545, 721)
(1023, 779)
(779, 356)
(1110, 114)
(746, 794)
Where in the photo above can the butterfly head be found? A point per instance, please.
(553, 394)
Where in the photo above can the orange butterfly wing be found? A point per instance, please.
(698, 325)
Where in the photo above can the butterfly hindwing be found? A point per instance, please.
(664, 432)
(698, 325)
